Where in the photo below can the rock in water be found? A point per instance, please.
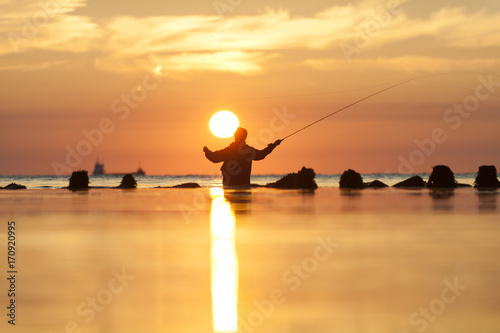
(79, 180)
(187, 185)
(487, 177)
(14, 186)
(304, 179)
(441, 177)
(412, 182)
(128, 181)
(351, 179)
(375, 184)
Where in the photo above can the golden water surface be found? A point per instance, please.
(261, 260)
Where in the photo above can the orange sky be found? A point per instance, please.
(129, 82)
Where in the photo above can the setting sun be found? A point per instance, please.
(223, 124)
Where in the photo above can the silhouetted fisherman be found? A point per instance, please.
(237, 158)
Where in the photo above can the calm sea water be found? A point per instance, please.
(251, 261)
(38, 182)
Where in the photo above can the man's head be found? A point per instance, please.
(240, 135)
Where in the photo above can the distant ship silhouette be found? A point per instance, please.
(99, 170)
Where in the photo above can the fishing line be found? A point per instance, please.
(453, 86)
(379, 92)
(348, 106)
(278, 96)
(418, 78)
(317, 93)
(195, 98)
(370, 87)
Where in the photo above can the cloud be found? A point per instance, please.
(269, 31)
(469, 30)
(48, 25)
(13, 11)
(406, 64)
(212, 43)
(193, 38)
(26, 67)
(245, 63)
(175, 66)
(244, 44)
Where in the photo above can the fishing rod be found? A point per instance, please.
(196, 98)
(348, 106)
(379, 92)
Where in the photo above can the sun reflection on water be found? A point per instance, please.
(224, 264)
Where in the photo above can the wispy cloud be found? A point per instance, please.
(450, 27)
(26, 67)
(49, 25)
(238, 44)
(241, 44)
(406, 64)
(177, 66)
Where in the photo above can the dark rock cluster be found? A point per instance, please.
(303, 179)
(13, 186)
(79, 180)
(128, 182)
(441, 177)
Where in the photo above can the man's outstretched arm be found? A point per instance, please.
(261, 154)
(218, 155)
(211, 155)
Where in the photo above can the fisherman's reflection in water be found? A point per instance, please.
(239, 199)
